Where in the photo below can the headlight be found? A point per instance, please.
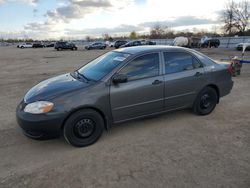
(39, 107)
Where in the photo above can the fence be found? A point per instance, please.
(225, 42)
(231, 42)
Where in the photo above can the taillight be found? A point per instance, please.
(230, 69)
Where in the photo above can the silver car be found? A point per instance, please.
(122, 85)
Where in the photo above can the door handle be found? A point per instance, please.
(156, 82)
(198, 74)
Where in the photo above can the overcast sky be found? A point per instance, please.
(44, 19)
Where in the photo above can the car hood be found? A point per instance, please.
(53, 87)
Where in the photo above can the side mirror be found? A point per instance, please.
(119, 78)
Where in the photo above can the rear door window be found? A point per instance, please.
(179, 61)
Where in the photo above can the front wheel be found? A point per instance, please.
(206, 101)
(83, 128)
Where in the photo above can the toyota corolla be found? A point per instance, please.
(122, 85)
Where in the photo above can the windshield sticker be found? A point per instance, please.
(119, 58)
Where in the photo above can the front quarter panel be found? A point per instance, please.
(95, 96)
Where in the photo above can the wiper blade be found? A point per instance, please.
(82, 75)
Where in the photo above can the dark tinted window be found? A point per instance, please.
(179, 61)
(142, 67)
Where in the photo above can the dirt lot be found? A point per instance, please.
(177, 149)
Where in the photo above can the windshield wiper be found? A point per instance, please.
(82, 75)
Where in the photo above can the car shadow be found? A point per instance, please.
(17, 136)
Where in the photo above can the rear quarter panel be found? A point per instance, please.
(221, 77)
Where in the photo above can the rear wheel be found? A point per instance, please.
(83, 128)
(206, 101)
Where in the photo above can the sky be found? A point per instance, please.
(76, 19)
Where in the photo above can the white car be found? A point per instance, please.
(240, 46)
(25, 45)
(111, 44)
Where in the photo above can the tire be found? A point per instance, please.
(59, 49)
(206, 101)
(83, 128)
(22, 47)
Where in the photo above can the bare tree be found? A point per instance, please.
(157, 32)
(228, 18)
(242, 15)
(88, 38)
(106, 36)
(236, 17)
(133, 35)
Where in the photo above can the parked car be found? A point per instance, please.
(239, 46)
(96, 45)
(195, 42)
(148, 42)
(132, 43)
(38, 45)
(111, 44)
(122, 85)
(211, 43)
(25, 45)
(50, 45)
(119, 43)
(65, 46)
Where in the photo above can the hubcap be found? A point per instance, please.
(205, 101)
(84, 127)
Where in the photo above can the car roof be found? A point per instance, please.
(148, 48)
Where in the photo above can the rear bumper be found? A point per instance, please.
(39, 125)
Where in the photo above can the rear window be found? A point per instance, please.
(204, 59)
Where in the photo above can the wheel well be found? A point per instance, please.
(84, 108)
(216, 89)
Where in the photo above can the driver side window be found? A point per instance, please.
(142, 67)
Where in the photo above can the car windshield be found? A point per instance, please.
(100, 67)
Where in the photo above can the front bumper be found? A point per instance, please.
(39, 126)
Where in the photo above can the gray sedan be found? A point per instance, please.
(122, 85)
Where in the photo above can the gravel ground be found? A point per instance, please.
(177, 149)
